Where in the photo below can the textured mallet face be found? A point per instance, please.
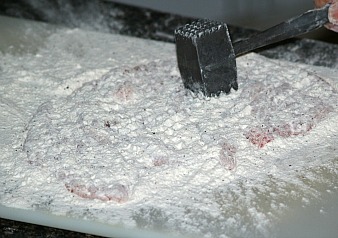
(206, 58)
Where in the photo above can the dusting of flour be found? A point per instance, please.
(135, 148)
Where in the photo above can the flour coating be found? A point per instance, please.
(136, 137)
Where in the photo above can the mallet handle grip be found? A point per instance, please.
(299, 25)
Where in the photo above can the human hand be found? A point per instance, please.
(333, 13)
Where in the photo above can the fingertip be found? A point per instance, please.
(332, 27)
(333, 14)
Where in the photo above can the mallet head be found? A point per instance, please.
(206, 57)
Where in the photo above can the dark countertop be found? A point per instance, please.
(147, 24)
(9, 228)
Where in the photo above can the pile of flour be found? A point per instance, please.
(135, 148)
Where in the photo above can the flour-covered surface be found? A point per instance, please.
(121, 142)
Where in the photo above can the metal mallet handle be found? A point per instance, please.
(299, 25)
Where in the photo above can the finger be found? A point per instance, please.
(332, 27)
(333, 13)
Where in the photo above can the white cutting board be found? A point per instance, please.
(97, 53)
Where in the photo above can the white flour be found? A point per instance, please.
(134, 148)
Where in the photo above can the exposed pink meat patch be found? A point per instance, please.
(259, 137)
(117, 193)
